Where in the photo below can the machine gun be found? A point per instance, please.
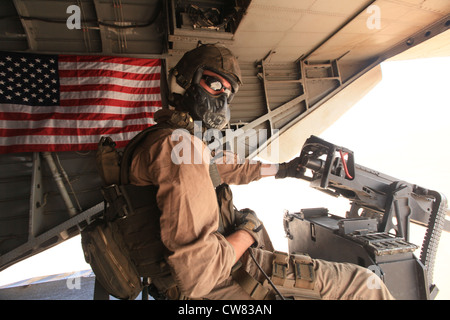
(375, 231)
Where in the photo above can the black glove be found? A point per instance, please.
(290, 169)
(247, 220)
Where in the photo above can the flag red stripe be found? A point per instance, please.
(48, 147)
(54, 147)
(119, 60)
(108, 73)
(109, 87)
(109, 102)
(21, 116)
(49, 131)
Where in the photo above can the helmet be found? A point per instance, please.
(208, 56)
(204, 83)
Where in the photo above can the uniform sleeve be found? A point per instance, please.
(234, 170)
(200, 257)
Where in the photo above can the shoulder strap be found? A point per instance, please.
(129, 150)
(131, 146)
(214, 174)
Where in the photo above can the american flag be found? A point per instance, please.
(67, 102)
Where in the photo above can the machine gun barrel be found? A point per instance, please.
(334, 171)
(316, 165)
(382, 204)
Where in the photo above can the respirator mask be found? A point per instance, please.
(208, 98)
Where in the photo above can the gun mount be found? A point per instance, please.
(375, 231)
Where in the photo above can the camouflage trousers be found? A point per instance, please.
(294, 276)
(298, 277)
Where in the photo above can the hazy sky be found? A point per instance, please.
(400, 128)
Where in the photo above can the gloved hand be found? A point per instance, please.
(290, 169)
(247, 220)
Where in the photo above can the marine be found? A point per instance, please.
(190, 240)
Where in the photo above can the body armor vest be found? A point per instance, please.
(141, 232)
(140, 228)
(132, 221)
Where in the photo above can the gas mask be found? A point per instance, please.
(208, 98)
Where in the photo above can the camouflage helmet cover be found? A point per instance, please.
(208, 56)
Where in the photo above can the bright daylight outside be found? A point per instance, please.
(400, 128)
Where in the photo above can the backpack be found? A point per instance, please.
(102, 243)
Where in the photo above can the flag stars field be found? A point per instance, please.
(69, 101)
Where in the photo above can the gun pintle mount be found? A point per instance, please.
(375, 231)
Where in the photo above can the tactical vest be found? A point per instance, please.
(133, 209)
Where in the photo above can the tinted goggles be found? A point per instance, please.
(215, 84)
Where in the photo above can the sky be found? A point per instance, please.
(400, 128)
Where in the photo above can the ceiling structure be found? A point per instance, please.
(304, 64)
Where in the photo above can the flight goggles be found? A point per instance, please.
(215, 83)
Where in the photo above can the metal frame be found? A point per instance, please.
(317, 82)
(325, 78)
(47, 224)
(50, 238)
